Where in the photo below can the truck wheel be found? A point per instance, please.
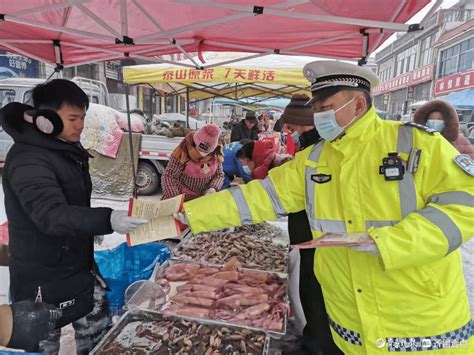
(148, 179)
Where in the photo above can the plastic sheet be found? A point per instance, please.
(124, 265)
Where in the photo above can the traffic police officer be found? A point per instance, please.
(404, 187)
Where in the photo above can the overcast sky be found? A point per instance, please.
(418, 17)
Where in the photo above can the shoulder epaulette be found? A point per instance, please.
(420, 126)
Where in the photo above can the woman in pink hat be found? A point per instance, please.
(195, 166)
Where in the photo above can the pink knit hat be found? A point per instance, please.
(207, 138)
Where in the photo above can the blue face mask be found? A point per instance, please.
(437, 125)
(326, 124)
(247, 170)
(296, 137)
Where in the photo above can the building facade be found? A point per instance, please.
(110, 73)
(416, 65)
(455, 68)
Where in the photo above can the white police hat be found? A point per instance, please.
(324, 74)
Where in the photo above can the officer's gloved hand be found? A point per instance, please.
(31, 323)
(370, 248)
(123, 223)
(355, 241)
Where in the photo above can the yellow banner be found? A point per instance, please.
(176, 74)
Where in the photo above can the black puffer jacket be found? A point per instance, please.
(240, 131)
(299, 229)
(47, 190)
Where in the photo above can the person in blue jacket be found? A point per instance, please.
(232, 166)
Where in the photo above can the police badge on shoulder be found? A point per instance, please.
(465, 162)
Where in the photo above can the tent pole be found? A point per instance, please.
(86, 34)
(130, 141)
(187, 107)
(49, 8)
(398, 27)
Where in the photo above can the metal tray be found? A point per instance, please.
(189, 238)
(146, 316)
(160, 269)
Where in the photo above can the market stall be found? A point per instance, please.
(70, 33)
(230, 285)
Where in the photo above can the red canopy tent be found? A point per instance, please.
(73, 32)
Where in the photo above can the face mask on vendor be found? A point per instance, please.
(247, 165)
(203, 154)
(203, 149)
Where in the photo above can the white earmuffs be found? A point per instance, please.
(45, 120)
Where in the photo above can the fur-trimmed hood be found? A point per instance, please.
(451, 120)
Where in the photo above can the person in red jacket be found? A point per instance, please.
(442, 117)
(259, 157)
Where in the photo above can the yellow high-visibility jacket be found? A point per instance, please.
(413, 296)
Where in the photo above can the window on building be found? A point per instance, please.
(406, 60)
(458, 58)
(422, 92)
(171, 103)
(87, 71)
(69, 73)
(426, 51)
(385, 70)
(458, 15)
(466, 56)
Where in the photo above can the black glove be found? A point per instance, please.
(31, 323)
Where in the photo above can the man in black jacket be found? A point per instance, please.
(245, 129)
(47, 190)
(317, 338)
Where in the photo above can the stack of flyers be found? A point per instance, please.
(336, 240)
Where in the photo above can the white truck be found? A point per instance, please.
(154, 150)
(154, 154)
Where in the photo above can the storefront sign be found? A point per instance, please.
(413, 77)
(17, 66)
(113, 70)
(454, 82)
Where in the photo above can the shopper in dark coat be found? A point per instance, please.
(245, 129)
(317, 338)
(47, 190)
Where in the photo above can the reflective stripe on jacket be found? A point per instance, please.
(413, 297)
